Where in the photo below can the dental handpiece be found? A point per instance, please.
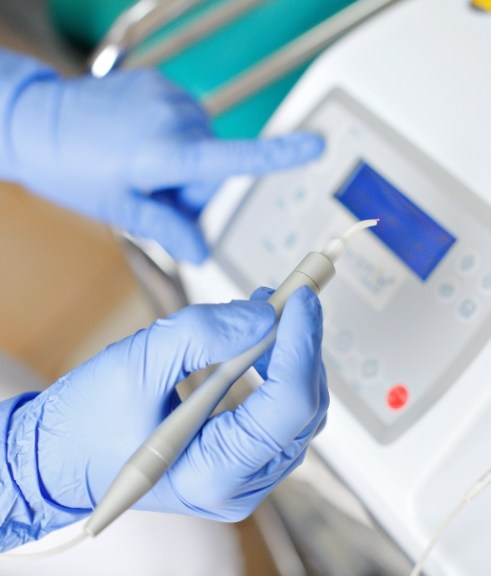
(169, 440)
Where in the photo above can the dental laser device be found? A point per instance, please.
(404, 104)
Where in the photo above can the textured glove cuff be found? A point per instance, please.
(26, 513)
(16, 73)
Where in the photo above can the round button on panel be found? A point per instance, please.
(370, 369)
(290, 241)
(268, 245)
(343, 341)
(468, 309)
(447, 289)
(485, 284)
(300, 198)
(397, 397)
(468, 264)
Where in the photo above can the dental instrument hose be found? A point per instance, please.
(482, 483)
(169, 440)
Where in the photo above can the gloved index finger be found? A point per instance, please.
(222, 158)
(295, 394)
(163, 164)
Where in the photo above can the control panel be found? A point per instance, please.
(411, 304)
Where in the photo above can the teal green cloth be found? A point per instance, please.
(205, 66)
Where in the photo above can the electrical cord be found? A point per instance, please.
(472, 493)
(46, 553)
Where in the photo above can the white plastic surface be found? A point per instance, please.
(145, 543)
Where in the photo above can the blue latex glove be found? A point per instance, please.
(131, 149)
(66, 445)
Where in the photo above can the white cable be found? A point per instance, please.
(46, 553)
(472, 493)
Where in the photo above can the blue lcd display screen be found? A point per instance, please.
(410, 233)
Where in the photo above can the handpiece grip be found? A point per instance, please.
(173, 435)
(314, 271)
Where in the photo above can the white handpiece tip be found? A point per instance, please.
(337, 246)
(360, 226)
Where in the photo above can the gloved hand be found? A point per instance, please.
(67, 445)
(130, 149)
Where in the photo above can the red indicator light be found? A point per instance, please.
(397, 397)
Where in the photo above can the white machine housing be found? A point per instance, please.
(405, 98)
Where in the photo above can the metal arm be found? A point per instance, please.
(133, 26)
(207, 23)
(145, 17)
(291, 56)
